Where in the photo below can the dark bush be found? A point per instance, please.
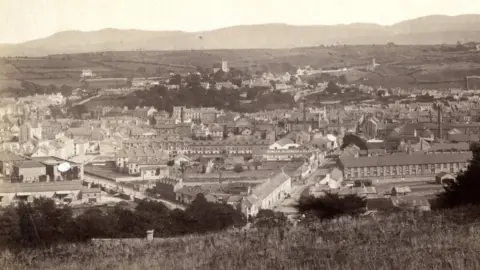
(466, 189)
(43, 224)
(332, 205)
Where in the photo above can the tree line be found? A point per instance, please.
(42, 223)
(30, 89)
(196, 96)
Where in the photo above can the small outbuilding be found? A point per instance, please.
(444, 178)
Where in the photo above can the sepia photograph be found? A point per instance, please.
(239, 134)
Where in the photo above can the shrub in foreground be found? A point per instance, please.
(332, 205)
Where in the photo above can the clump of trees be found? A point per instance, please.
(196, 96)
(30, 89)
(354, 139)
(43, 223)
(466, 189)
(332, 205)
(238, 168)
(267, 218)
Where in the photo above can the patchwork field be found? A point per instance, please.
(400, 66)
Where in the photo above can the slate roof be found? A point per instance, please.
(284, 141)
(357, 191)
(402, 189)
(30, 164)
(405, 159)
(263, 190)
(463, 137)
(190, 191)
(410, 201)
(442, 174)
(41, 187)
(463, 146)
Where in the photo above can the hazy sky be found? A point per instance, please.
(22, 20)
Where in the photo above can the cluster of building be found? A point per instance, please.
(251, 161)
(22, 179)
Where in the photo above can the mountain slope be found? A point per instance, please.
(426, 30)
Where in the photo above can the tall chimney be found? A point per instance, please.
(304, 115)
(181, 114)
(439, 119)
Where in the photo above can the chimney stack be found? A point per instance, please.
(181, 115)
(304, 115)
(440, 119)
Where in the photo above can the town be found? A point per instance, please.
(391, 146)
(237, 135)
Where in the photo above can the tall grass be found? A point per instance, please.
(397, 241)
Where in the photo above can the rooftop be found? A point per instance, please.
(30, 164)
(405, 159)
(263, 190)
(41, 187)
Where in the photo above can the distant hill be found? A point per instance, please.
(437, 29)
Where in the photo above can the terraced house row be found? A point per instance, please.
(403, 165)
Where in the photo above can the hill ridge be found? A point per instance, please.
(433, 29)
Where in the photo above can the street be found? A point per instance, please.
(287, 206)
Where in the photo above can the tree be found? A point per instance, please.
(354, 139)
(273, 84)
(332, 205)
(42, 223)
(213, 216)
(292, 80)
(332, 88)
(238, 168)
(95, 223)
(175, 79)
(141, 70)
(9, 227)
(153, 121)
(266, 218)
(6, 120)
(194, 80)
(465, 190)
(343, 79)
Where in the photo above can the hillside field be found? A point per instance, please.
(404, 240)
(400, 66)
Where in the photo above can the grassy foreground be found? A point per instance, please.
(397, 241)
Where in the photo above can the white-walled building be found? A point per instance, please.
(283, 144)
(268, 194)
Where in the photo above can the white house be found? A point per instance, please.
(283, 144)
(87, 73)
(333, 141)
(333, 179)
(179, 159)
(268, 194)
